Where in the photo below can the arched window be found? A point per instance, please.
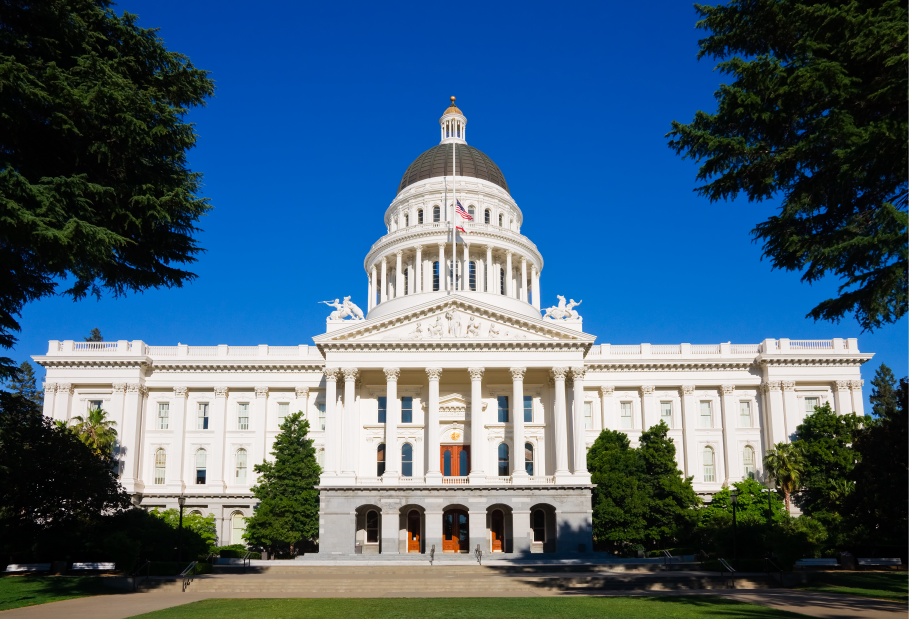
(462, 462)
(446, 463)
(160, 465)
(472, 276)
(372, 527)
(419, 216)
(406, 220)
(436, 213)
(241, 467)
(472, 212)
(195, 512)
(406, 460)
(501, 281)
(538, 524)
(486, 216)
(435, 276)
(528, 458)
(380, 460)
(320, 458)
(503, 460)
(201, 458)
(709, 467)
(748, 460)
(501, 219)
(237, 528)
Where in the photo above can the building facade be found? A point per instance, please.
(455, 412)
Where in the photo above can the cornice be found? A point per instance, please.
(84, 362)
(234, 366)
(456, 346)
(814, 360)
(676, 365)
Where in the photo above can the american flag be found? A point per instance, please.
(460, 211)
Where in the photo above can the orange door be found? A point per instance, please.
(455, 533)
(497, 530)
(454, 460)
(413, 531)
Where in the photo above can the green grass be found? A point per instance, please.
(472, 608)
(19, 591)
(893, 586)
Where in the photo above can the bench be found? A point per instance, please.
(93, 566)
(803, 563)
(28, 567)
(889, 562)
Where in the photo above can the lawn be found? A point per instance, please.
(893, 586)
(18, 591)
(472, 608)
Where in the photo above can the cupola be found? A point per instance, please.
(454, 125)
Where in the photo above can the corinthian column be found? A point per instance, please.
(399, 275)
(490, 280)
(384, 296)
(392, 417)
(433, 473)
(578, 430)
(560, 427)
(535, 286)
(509, 288)
(443, 269)
(350, 440)
(332, 427)
(518, 469)
(523, 279)
(418, 270)
(477, 440)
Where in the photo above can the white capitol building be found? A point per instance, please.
(454, 414)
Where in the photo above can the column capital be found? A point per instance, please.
(578, 372)
(392, 374)
(418, 248)
(508, 253)
(130, 387)
(475, 373)
(841, 385)
(350, 373)
(533, 267)
(117, 387)
(399, 252)
(856, 384)
(384, 259)
(558, 373)
(180, 392)
(789, 385)
(727, 389)
(434, 373)
(52, 387)
(261, 392)
(688, 389)
(65, 388)
(221, 392)
(301, 392)
(442, 245)
(607, 389)
(646, 389)
(523, 259)
(518, 373)
(770, 385)
(331, 373)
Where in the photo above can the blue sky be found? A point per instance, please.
(320, 107)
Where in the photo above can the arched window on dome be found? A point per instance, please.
(501, 219)
(419, 216)
(473, 276)
(435, 276)
(486, 216)
(472, 212)
(436, 213)
(406, 220)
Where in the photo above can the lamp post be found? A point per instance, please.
(734, 496)
(182, 501)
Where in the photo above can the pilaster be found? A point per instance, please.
(218, 464)
(176, 457)
(649, 414)
(260, 424)
(689, 429)
(841, 397)
(607, 408)
(332, 423)
(433, 472)
(794, 413)
(392, 419)
(560, 426)
(730, 445)
(518, 469)
(63, 402)
(477, 430)
(579, 433)
(858, 402)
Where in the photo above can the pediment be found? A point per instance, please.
(454, 320)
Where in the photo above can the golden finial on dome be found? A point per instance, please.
(452, 101)
(453, 109)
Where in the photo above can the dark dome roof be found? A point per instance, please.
(437, 162)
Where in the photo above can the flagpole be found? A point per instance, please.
(454, 213)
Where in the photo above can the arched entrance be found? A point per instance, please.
(497, 531)
(455, 531)
(413, 531)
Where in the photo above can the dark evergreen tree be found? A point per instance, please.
(288, 509)
(23, 382)
(94, 336)
(95, 186)
(824, 441)
(814, 114)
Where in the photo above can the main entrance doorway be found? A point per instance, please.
(413, 531)
(497, 530)
(455, 532)
(455, 460)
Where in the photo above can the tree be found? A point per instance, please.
(288, 510)
(715, 527)
(877, 507)
(23, 382)
(95, 185)
(203, 526)
(784, 465)
(96, 431)
(824, 440)
(751, 502)
(53, 484)
(94, 336)
(815, 114)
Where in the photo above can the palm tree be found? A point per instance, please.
(96, 431)
(784, 464)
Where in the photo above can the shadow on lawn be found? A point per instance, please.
(722, 607)
(28, 590)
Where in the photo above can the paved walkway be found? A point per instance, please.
(812, 604)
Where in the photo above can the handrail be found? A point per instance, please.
(187, 575)
(668, 558)
(768, 563)
(432, 554)
(479, 555)
(135, 575)
(727, 568)
(246, 561)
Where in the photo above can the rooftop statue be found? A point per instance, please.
(563, 310)
(347, 309)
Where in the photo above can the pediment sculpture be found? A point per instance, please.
(563, 311)
(347, 309)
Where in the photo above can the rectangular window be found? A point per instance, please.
(383, 408)
(243, 416)
(202, 417)
(200, 467)
(588, 415)
(435, 275)
(163, 413)
(406, 282)
(283, 411)
(744, 414)
(626, 414)
(528, 409)
(810, 403)
(666, 412)
(321, 409)
(95, 404)
(503, 408)
(706, 417)
(407, 409)
(473, 276)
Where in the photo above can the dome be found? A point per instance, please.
(452, 109)
(437, 162)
